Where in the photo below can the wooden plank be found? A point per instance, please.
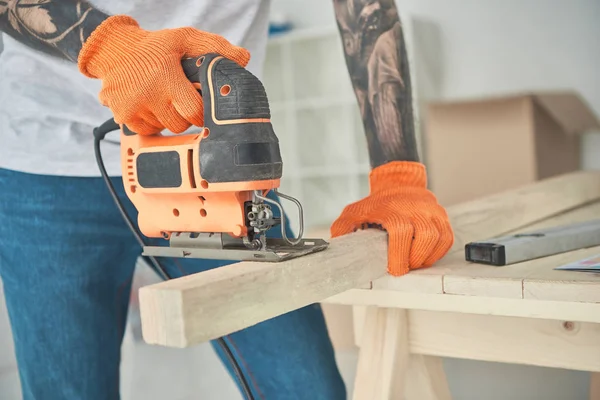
(545, 343)
(534, 279)
(514, 209)
(528, 308)
(519, 280)
(484, 286)
(515, 280)
(574, 290)
(203, 306)
(546, 203)
(548, 284)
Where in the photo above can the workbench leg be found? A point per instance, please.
(358, 322)
(383, 355)
(386, 369)
(426, 379)
(594, 385)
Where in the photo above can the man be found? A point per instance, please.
(66, 255)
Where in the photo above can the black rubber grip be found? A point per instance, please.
(159, 169)
(241, 146)
(238, 93)
(237, 148)
(255, 153)
(246, 96)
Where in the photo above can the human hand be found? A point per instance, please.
(143, 82)
(418, 227)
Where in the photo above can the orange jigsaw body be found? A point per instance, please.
(197, 203)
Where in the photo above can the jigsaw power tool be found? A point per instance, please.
(206, 192)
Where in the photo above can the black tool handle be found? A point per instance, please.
(231, 90)
(241, 144)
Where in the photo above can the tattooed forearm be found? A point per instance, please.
(376, 58)
(55, 27)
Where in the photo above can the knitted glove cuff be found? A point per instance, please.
(398, 173)
(113, 36)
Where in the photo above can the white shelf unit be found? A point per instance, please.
(316, 117)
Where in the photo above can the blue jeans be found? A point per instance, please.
(66, 262)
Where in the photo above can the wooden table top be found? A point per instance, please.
(455, 279)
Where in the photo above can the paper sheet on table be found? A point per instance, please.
(591, 264)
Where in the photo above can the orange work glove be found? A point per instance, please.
(143, 82)
(418, 227)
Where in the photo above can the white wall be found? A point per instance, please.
(490, 47)
(498, 46)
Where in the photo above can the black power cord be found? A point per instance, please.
(99, 134)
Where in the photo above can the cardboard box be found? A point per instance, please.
(477, 147)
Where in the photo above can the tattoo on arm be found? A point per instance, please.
(55, 27)
(376, 58)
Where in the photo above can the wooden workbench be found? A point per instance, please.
(526, 313)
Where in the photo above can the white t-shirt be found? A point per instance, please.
(48, 109)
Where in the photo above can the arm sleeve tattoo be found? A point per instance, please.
(376, 59)
(55, 27)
